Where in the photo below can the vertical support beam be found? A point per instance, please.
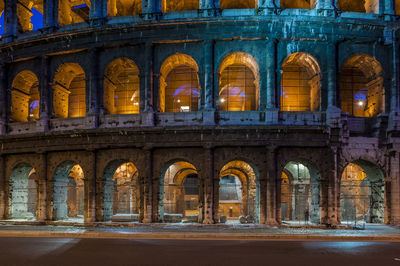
(267, 3)
(395, 98)
(90, 190)
(395, 188)
(332, 219)
(3, 99)
(92, 89)
(271, 68)
(272, 178)
(208, 175)
(151, 7)
(208, 4)
(388, 7)
(2, 187)
(208, 89)
(42, 195)
(149, 86)
(50, 15)
(332, 73)
(42, 125)
(97, 12)
(148, 187)
(10, 21)
(324, 4)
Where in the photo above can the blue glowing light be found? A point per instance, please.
(360, 97)
(185, 90)
(34, 105)
(36, 19)
(2, 24)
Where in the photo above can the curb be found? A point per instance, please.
(195, 236)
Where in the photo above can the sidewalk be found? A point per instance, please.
(199, 231)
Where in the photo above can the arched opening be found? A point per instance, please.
(179, 84)
(179, 5)
(30, 15)
(299, 4)
(69, 91)
(363, 6)
(238, 4)
(1, 18)
(300, 193)
(23, 188)
(120, 8)
(238, 194)
(73, 11)
(239, 83)
(68, 192)
(361, 86)
(25, 97)
(122, 87)
(121, 192)
(179, 193)
(300, 83)
(362, 194)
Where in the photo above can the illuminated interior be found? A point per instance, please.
(397, 7)
(73, 11)
(1, 18)
(361, 87)
(68, 192)
(179, 5)
(235, 4)
(362, 195)
(363, 6)
(299, 194)
(300, 83)
(25, 97)
(119, 8)
(179, 84)
(122, 87)
(30, 15)
(238, 198)
(69, 88)
(181, 192)
(238, 83)
(300, 4)
(23, 187)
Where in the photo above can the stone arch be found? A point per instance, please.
(121, 191)
(68, 192)
(69, 91)
(23, 192)
(238, 4)
(361, 86)
(179, 84)
(122, 87)
(30, 15)
(363, 6)
(239, 192)
(70, 12)
(176, 203)
(362, 193)
(300, 83)
(299, 4)
(25, 97)
(239, 83)
(121, 8)
(179, 5)
(304, 192)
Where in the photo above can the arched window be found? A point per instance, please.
(179, 84)
(300, 4)
(363, 6)
(300, 83)
(30, 15)
(25, 97)
(69, 91)
(238, 83)
(361, 86)
(238, 4)
(122, 87)
(120, 8)
(179, 5)
(71, 11)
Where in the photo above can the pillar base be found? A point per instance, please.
(147, 119)
(3, 128)
(271, 222)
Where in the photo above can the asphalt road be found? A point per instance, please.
(59, 251)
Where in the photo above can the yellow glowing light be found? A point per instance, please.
(360, 103)
(222, 100)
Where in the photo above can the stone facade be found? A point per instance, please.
(266, 139)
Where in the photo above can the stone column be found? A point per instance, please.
(267, 3)
(147, 93)
(10, 21)
(208, 90)
(324, 4)
(151, 8)
(92, 89)
(98, 12)
(3, 99)
(388, 7)
(90, 190)
(42, 125)
(332, 218)
(50, 15)
(208, 176)
(148, 187)
(331, 54)
(209, 4)
(271, 73)
(395, 188)
(2, 187)
(272, 177)
(42, 195)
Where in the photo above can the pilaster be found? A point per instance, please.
(42, 125)
(98, 12)
(209, 200)
(2, 187)
(90, 190)
(42, 195)
(10, 21)
(3, 99)
(50, 15)
(271, 68)
(272, 178)
(148, 187)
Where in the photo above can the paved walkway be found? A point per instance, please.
(199, 231)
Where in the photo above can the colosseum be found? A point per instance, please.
(277, 112)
